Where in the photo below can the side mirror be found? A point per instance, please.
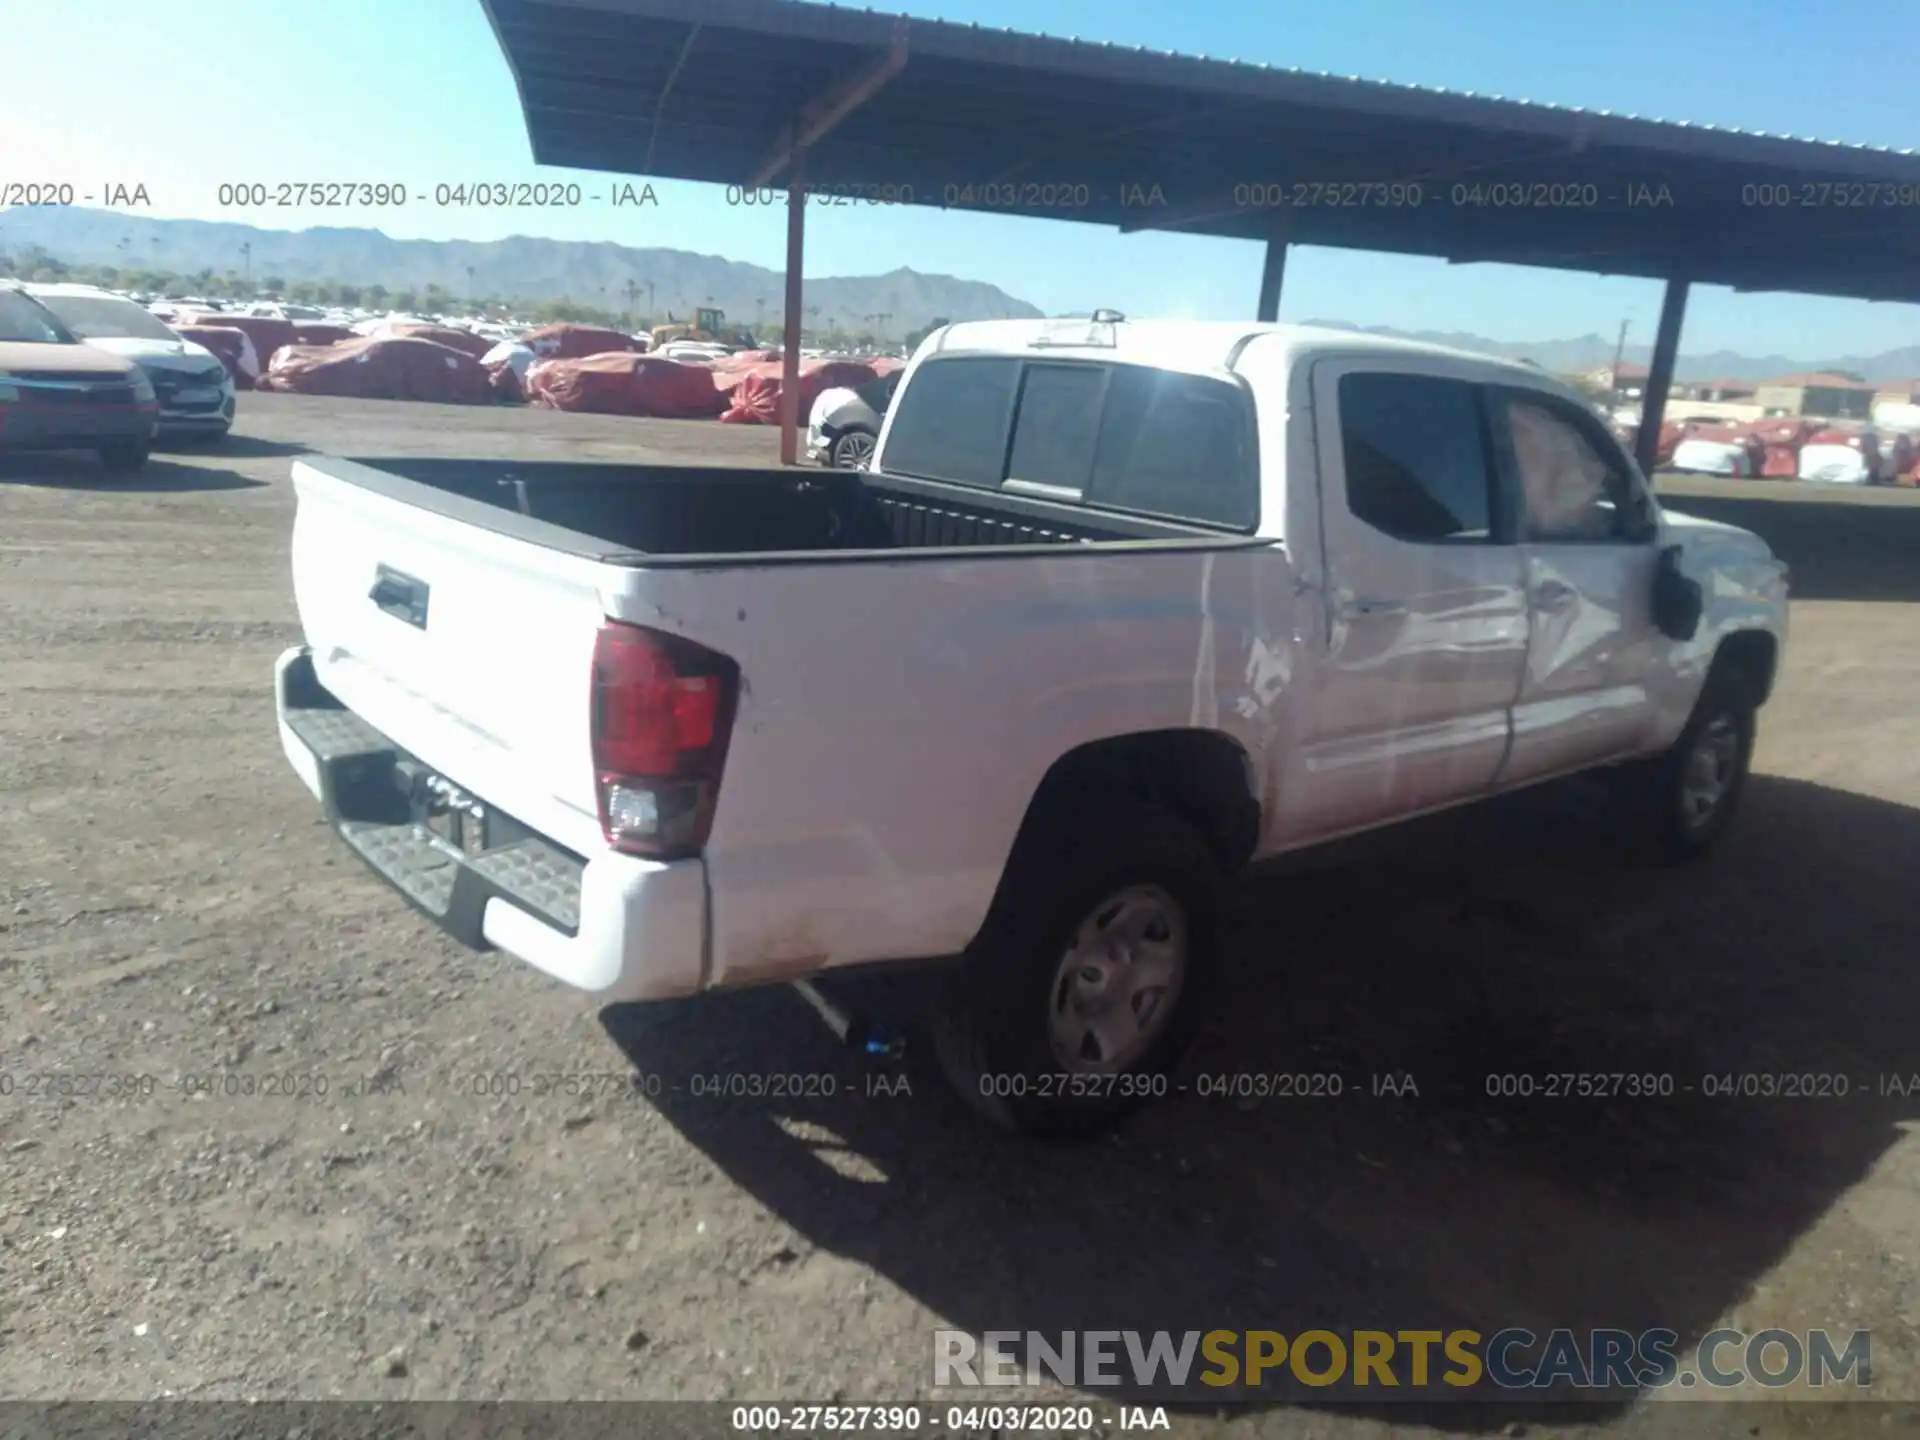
(1678, 601)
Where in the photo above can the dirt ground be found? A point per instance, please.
(171, 907)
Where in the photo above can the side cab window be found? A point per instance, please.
(1415, 455)
(1569, 480)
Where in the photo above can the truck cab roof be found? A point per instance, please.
(1197, 346)
(65, 287)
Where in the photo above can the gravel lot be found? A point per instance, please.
(171, 906)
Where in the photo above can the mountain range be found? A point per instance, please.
(1593, 352)
(521, 267)
(526, 267)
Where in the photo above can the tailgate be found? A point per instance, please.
(468, 647)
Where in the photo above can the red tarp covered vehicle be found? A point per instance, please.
(1837, 433)
(1863, 438)
(576, 342)
(1724, 432)
(618, 383)
(235, 350)
(1780, 442)
(1842, 453)
(318, 332)
(754, 391)
(380, 367)
(267, 334)
(465, 341)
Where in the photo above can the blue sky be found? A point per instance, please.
(183, 97)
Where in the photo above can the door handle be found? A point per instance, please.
(400, 596)
(1552, 595)
(1374, 606)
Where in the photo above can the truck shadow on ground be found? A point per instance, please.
(1523, 938)
(83, 472)
(1838, 549)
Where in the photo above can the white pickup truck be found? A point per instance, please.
(1120, 607)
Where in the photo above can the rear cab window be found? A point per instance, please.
(1057, 427)
(1163, 443)
(952, 421)
(1180, 446)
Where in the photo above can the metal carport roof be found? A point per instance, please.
(1073, 130)
(890, 109)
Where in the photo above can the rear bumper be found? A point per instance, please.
(614, 925)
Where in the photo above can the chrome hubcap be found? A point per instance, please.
(1709, 771)
(1116, 988)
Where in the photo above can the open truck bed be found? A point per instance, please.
(690, 514)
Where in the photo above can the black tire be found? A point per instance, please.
(992, 1031)
(123, 457)
(1725, 719)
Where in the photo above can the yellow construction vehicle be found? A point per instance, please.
(709, 327)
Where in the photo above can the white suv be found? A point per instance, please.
(191, 383)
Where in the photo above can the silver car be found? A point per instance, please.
(195, 392)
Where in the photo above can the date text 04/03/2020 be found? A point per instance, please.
(952, 1420)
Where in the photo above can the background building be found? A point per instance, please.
(1717, 391)
(1627, 383)
(1824, 396)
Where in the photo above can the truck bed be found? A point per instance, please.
(690, 513)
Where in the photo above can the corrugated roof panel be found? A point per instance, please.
(1393, 85)
(988, 111)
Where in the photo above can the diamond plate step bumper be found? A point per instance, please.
(370, 790)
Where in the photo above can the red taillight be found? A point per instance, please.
(662, 712)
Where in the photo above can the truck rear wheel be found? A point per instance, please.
(1091, 974)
